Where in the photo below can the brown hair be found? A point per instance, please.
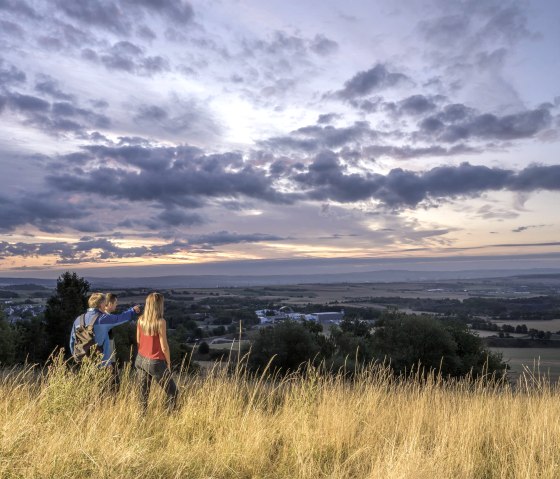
(111, 298)
(96, 300)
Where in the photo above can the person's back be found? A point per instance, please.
(150, 346)
(153, 361)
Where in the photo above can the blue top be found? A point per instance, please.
(101, 329)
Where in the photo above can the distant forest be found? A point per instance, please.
(518, 309)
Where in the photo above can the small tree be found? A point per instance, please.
(203, 348)
(69, 301)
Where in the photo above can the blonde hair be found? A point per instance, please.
(111, 298)
(96, 300)
(153, 313)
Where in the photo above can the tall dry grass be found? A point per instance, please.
(60, 424)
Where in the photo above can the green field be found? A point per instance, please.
(545, 361)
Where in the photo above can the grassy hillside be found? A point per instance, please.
(60, 424)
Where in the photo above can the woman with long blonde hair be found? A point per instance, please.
(153, 361)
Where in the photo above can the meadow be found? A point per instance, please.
(58, 423)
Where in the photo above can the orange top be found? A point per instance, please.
(149, 346)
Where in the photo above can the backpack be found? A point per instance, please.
(85, 344)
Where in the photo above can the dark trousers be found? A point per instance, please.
(151, 370)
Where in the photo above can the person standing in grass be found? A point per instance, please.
(102, 322)
(111, 302)
(153, 361)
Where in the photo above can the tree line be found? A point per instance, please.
(403, 340)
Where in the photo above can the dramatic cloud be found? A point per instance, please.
(485, 126)
(101, 249)
(327, 179)
(128, 57)
(314, 138)
(46, 213)
(55, 118)
(179, 176)
(416, 105)
(374, 79)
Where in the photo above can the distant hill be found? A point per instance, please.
(26, 286)
(27, 283)
(220, 281)
(387, 276)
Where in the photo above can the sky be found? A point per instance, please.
(161, 133)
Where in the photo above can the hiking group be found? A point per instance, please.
(92, 333)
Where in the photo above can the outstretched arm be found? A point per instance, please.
(116, 319)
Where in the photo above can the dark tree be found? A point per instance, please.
(203, 348)
(409, 341)
(69, 301)
(7, 348)
(30, 340)
(289, 343)
(471, 353)
(356, 327)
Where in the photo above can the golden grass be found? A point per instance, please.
(65, 425)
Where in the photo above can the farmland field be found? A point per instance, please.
(545, 360)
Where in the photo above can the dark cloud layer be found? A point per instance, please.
(327, 179)
(43, 211)
(318, 137)
(171, 176)
(458, 123)
(190, 177)
(55, 118)
(437, 126)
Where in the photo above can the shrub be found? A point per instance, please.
(203, 348)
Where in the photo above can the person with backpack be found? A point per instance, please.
(90, 331)
(153, 362)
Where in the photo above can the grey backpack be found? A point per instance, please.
(85, 344)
